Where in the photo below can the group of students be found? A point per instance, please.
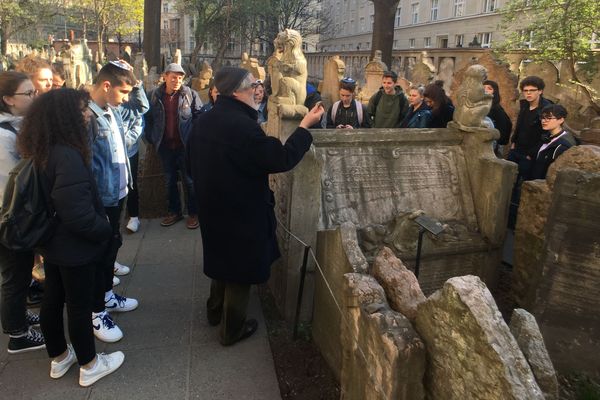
(80, 141)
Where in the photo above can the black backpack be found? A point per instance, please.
(27, 218)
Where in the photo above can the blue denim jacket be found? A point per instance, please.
(103, 146)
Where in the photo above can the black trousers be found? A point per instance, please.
(106, 266)
(133, 200)
(71, 285)
(16, 276)
(227, 305)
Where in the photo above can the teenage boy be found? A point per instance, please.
(114, 85)
(173, 107)
(556, 141)
(527, 138)
(389, 105)
(39, 71)
(348, 113)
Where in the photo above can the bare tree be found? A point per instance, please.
(383, 29)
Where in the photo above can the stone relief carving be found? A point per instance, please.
(472, 103)
(289, 75)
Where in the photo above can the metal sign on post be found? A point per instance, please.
(426, 224)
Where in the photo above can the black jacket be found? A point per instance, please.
(230, 158)
(547, 156)
(528, 139)
(441, 117)
(501, 122)
(82, 229)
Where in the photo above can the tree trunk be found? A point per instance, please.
(383, 29)
(152, 25)
(3, 42)
(218, 61)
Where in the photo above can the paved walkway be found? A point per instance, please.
(170, 350)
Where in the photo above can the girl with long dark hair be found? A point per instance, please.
(498, 116)
(441, 106)
(54, 135)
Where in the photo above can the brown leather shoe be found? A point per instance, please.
(192, 222)
(171, 219)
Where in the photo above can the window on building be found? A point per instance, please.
(363, 27)
(304, 46)
(398, 15)
(372, 21)
(166, 24)
(459, 40)
(414, 12)
(526, 38)
(165, 6)
(427, 42)
(343, 47)
(344, 28)
(368, 45)
(434, 9)
(411, 43)
(352, 27)
(442, 42)
(231, 44)
(486, 39)
(489, 6)
(395, 44)
(459, 8)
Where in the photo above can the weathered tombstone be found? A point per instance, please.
(384, 358)
(251, 64)
(332, 74)
(472, 354)
(177, 57)
(404, 83)
(400, 284)
(529, 338)
(373, 75)
(140, 67)
(591, 134)
(421, 74)
(556, 264)
(446, 73)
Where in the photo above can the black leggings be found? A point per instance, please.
(72, 285)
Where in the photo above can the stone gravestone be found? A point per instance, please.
(251, 64)
(373, 75)
(472, 104)
(446, 73)
(472, 354)
(421, 74)
(332, 74)
(556, 273)
(384, 358)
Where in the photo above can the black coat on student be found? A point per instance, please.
(230, 158)
(501, 122)
(547, 156)
(82, 230)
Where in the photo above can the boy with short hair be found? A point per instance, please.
(389, 105)
(114, 84)
(348, 113)
(556, 142)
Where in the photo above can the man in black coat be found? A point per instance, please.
(230, 159)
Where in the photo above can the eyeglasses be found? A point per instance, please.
(530, 90)
(30, 93)
(256, 84)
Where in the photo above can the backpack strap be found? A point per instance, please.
(334, 110)
(359, 112)
(6, 125)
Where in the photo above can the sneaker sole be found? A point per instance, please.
(25, 350)
(100, 376)
(116, 309)
(63, 372)
(105, 340)
(193, 226)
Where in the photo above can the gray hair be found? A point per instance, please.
(245, 84)
(419, 88)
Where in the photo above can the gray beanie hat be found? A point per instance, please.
(228, 79)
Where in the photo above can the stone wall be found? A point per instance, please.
(557, 263)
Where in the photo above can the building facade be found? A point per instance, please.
(418, 24)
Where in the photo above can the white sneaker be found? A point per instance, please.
(118, 303)
(58, 369)
(105, 364)
(105, 328)
(121, 269)
(133, 225)
(116, 281)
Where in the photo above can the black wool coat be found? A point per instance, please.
(82, 230)
(230, 158)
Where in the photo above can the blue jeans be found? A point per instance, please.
(173, 162)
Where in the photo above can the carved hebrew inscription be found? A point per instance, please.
(372, 184)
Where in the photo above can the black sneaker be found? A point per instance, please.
(32, 318)
(32, 340)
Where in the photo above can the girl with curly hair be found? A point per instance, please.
(55, 136)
